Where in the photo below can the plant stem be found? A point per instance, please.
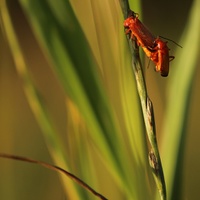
(147, 110)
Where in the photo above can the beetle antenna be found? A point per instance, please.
(171, 41)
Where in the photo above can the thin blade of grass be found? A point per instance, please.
(55, 168)
(119, 141)
(59, 31)
(35, 101)
(179, 91)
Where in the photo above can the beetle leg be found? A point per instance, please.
(171, 58)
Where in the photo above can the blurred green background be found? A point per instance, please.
(102, 24)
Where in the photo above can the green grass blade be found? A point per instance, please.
(103, 113)
(75, 66)
(34, 98)
(179, 90)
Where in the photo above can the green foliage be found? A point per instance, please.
(178, 103)
(103, 141)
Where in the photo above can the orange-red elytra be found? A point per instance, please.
(155, 48)
(163, 58)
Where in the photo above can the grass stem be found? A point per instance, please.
(147, 110)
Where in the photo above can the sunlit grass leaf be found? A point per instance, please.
(61, 35)
(179, 91)
(33, 96)
(104, 119)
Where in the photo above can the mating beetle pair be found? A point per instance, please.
(155, 48)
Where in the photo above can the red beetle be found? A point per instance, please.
(155, 48)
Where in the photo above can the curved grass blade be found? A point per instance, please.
(35, 101)
(66, 47)
(180, 88)
(55, 168)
